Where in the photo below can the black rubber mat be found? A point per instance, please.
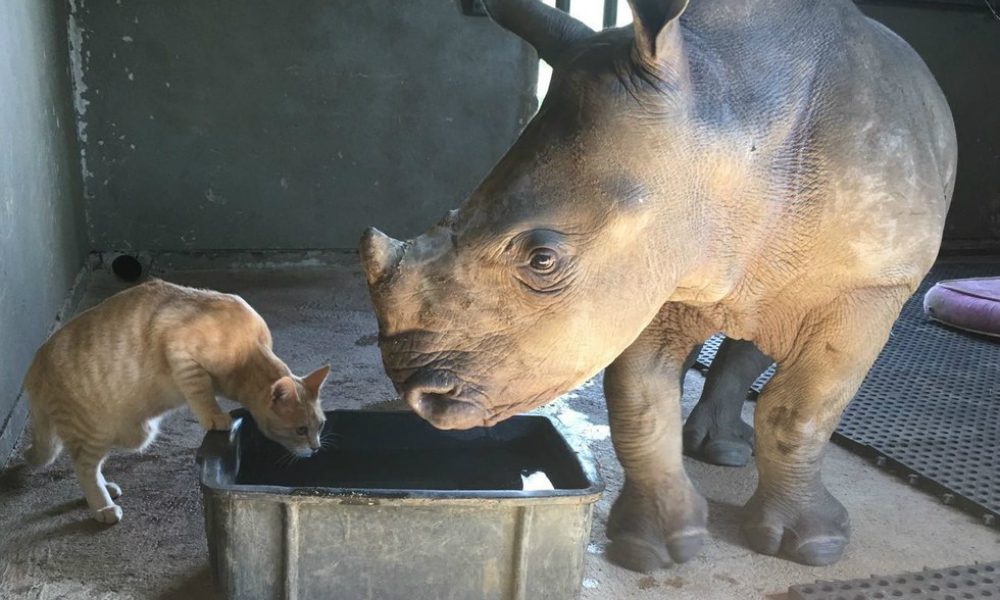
(979, 581)
(929, 409)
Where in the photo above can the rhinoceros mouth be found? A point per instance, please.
(443, 400)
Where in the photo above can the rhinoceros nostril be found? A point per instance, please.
(436, 398)
(444, 412)
(432, 405)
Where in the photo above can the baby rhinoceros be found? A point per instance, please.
(778, 170)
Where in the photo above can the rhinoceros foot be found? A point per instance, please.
(812, 532)
(650, 529)
(717, 441)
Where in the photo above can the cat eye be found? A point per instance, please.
(302, 431)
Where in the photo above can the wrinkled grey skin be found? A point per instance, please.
(778, 170)
(714, 431)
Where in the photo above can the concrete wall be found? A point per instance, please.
(960, 42)
(225, 124)
(40, 249)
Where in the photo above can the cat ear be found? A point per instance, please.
(283, 395)
(314, 381)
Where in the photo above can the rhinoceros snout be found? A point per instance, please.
(380, 254)
(437, 397)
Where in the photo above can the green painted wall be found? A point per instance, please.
(224, 124)
(41, 251)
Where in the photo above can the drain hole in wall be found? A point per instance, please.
(127, 268)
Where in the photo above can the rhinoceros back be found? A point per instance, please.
(846, 124)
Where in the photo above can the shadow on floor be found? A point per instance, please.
(197, 587)
(81, 527)
(57, 510)
(724, 522)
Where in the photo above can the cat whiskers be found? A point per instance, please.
(330, 439)
(287, 459)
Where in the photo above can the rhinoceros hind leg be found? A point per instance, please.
(792, 512)
(714, 432)
(725, 445)
(659, 517)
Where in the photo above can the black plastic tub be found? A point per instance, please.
(397, 509)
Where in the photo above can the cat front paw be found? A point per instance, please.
(109, 514)
(218, 422)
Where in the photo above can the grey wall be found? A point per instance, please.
(223, 124)
(960, 42)
(40, 249)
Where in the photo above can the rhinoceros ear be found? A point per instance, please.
(548, 29)
(654, 22)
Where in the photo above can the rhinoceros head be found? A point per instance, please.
(559, 259)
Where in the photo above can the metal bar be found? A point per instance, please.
(291, 551)
(562, 5)
(519, 560)
(995, 11)
(610, 13)
(978, 5)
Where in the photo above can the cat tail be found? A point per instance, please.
(45, 444)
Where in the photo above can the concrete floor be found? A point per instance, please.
(50, 548)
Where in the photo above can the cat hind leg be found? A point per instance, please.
(139, 438)
(45, 444)
(114, 490)
(87, 462)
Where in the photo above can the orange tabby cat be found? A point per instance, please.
(105, 379)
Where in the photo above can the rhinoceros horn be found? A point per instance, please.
(380, 255)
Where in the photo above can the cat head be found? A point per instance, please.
(293, 416)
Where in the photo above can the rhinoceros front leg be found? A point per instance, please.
(792, 512)
(715, 432)
(659, 517)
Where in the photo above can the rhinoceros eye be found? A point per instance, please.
(542, 260)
